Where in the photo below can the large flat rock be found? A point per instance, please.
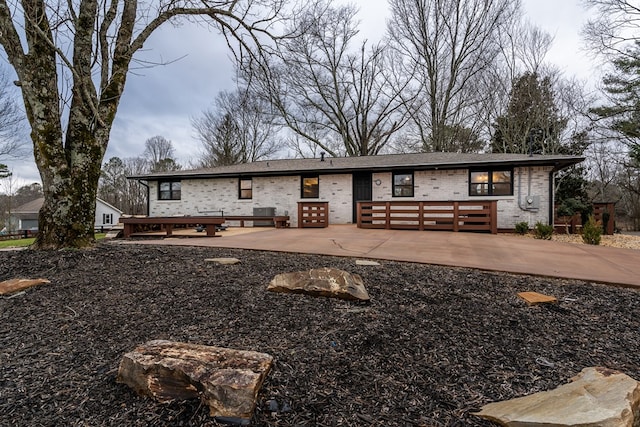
(596, 397)
(326, 282)
(227, 380)
(15, 285)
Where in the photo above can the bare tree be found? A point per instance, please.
(344, 101)
(239, 129)
(615, 26)
(127, 195)
(522, 48)
(89, 46)
(112, 182)
(605, 160)
(11, 121)
(134, 199)
(451, 44)
(160, 154)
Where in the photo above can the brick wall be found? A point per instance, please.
(203, 196)
(449, 185)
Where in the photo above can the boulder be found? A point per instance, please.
(366, 262)
(535, 298)
(226, 380)
(596, 397)
(223, 261)
(15, 285)
(326, 282)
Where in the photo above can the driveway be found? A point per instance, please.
(475, 250)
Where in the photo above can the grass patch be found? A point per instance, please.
(18, 243)
(12, 243)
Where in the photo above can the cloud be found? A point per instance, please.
(161, 100)
(564, 21)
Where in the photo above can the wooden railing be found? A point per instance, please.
(313, 214)
(568, 224)
(479, 215)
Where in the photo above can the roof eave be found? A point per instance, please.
(557, 163)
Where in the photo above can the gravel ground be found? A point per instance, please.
(625, 241)
(434, 344)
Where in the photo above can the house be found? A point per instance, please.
(26, 216)
(520, 186)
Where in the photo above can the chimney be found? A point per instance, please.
(322, 156)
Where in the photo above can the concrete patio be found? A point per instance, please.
(475, 250)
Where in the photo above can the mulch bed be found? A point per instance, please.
(434, 344)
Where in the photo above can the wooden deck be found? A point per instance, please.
(278, 221)
(167, 223)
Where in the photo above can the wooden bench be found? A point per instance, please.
(280, 221)
(168, 222)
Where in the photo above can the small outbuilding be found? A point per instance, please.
(26, 216)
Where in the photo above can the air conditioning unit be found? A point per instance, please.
(263, 212)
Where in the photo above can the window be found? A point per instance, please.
(169, 190)
(246, 188)
(402, 184)
(310, 187)
(491, 183)
(107, 218)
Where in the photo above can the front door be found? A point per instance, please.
(362, 191)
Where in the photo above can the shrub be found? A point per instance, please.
(543, 231)
(592, 231)
(522, 228)
(571, 206)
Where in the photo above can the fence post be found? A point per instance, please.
(494, 216)
(300, 215)
(456, 215)
(388, 216)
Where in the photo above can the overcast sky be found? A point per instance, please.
(162, 100)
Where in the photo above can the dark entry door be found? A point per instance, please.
(361, 190)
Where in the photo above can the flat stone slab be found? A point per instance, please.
(226, 380)
(325, 282)
(366, 262)
(223, 261)
(15, 285)
(596, 397)
(534, 298)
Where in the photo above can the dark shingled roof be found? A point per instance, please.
(380, 163)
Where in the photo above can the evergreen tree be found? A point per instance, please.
(622, 89)
(532, 122)
(4, 171)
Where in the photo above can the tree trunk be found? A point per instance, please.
(102, 38)
(67, 216)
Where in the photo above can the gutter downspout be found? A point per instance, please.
(552, 194)
(148, 201)
(520, 187)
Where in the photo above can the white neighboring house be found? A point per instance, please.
(522, 186)
(26, 215)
